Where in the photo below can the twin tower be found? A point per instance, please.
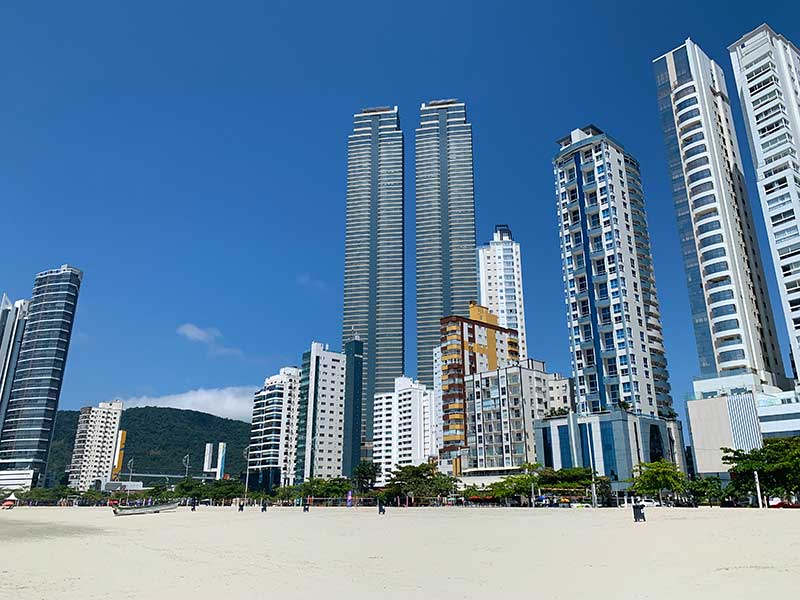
(446, 269)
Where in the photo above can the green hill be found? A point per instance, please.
(158, 439)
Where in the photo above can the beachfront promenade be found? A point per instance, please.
(408, 553)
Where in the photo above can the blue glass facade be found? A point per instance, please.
(27, 429)
(694, 280)
(374, 254)
(565, 446)
(446, 261)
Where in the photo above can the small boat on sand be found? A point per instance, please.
(120, 511)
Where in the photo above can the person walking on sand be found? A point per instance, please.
(241, 506)
(264, 505)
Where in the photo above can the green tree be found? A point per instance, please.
(46, 495)
(656, 477)
(777, 463)
(707, 489)
(365, 474)
(419, 481)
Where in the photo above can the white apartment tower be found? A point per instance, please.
(500, 282)
(612, 306)
(404, 430)
(733, 322)
(273, 431)
(767, 70)
(95, 446)
(320, 415)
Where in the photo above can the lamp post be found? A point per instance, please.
(758, 490)
(246, 455)
(186, 464)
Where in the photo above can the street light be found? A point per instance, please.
(246, 455)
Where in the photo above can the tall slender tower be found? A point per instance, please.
(446, 265)
(767, 70)
(733, 322)
(32, 404)
(374, 255)
(500, 282)
(612, 306)
(12, 326)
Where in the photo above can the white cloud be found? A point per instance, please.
(231, 402)
(309, 282)
(209, 336)
(193, 333)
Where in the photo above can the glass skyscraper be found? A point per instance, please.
(27, 429)
(446, 268)
(374, 253)
(731, 312)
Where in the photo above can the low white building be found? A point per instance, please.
(612, 443)
(404, 432)
(95, 447)
(738, 412)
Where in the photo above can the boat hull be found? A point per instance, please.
(122, 511)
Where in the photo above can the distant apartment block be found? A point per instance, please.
(500, 281)
(767, 70)
(404, 432)
(502, 405)
(733, 323)
(468, 345)
(613, 313)
(560, 393)
(96, 446)
(320, 414)
(273, 431)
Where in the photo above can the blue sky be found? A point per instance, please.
(192, 160)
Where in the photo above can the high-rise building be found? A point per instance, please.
(445, 225)
(95, 448)
(403, 428)
(500, 282)
(612, 306)
(731, 312)
(374, 252)
(12, 326)
(767, 70)
(273, 429)
(320, 414)
(468, 345)
(502, 405)
(27, 429)
(353, 444)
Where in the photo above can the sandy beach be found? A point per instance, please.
(416, 553)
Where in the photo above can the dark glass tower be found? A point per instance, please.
(447, 269)
(353, 402)
(30, 416)
(374, 253)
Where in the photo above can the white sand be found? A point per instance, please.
(416, 553)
